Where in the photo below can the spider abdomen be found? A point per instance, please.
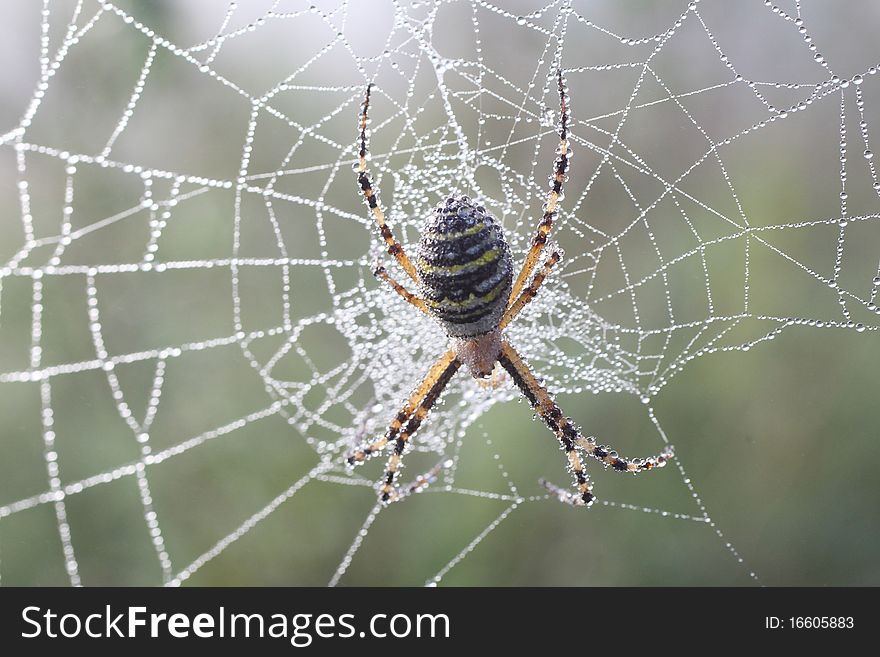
(465, 268)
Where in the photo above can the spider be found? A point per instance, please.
(464, 273)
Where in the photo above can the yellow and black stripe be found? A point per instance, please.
(465, 268)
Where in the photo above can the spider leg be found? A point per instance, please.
(416, 397)
(558, 178)
(394, 247)
(380, 273)
(569, 435)
(424, 480)
(541, 401)
(388, 488)
(563, 495)
(529, 292)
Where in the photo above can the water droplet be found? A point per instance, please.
(868, 154)
(521, 20)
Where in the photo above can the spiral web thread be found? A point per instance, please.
(631, 353)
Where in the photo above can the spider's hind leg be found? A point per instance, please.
(417, 396)
(363, 181)
(565, 496)
(572, 440)
(608, 457)
(424, 480)
(541, 401)
(388, 488)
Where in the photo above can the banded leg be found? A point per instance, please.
(529, 293)
(563, 495)
(418, 395)
(558, 178)
(380, 273)
(394, 247)
(541, 401)
(424, 480)
(569, 435)
(388, 488)
(608, 457)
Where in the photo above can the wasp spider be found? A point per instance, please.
(464, 273)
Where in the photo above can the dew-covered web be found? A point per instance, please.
(198, 198)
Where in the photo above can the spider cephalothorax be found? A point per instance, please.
(464, 274)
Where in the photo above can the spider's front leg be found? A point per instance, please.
(560, 169)
(363, 179)
(570, 437)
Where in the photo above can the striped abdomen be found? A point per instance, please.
(465, 268)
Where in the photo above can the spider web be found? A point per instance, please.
(191, 338)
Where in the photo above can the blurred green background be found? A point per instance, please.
(778, 442)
